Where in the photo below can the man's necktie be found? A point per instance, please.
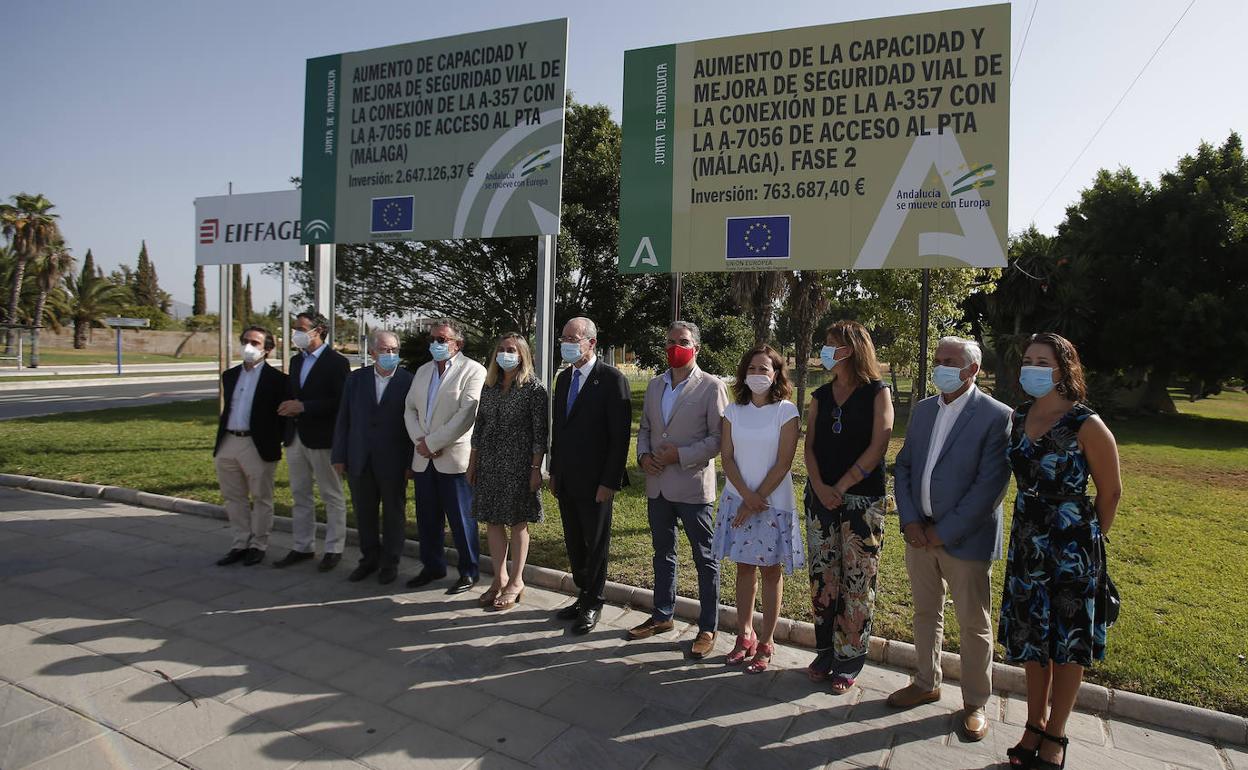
(574, 389)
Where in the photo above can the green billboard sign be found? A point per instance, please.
(870, 144)
(459, 137)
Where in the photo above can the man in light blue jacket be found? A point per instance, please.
(952, 474)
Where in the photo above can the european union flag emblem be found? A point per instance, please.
(757, 238)
(393, 215)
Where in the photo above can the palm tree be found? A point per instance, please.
(55, 262)
(30, 229)
(808, 300)
(756, 291)
(91, 297)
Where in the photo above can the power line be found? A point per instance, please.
(1113, 110)
(1014, 71)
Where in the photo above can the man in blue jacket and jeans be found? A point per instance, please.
(951, 478)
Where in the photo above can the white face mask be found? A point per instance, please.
(759, 383)
(301, 339)
(251, 353)
(508, 361)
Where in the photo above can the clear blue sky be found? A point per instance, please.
(124, 112)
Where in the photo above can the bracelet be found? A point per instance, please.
(536, 467)
(860, 470)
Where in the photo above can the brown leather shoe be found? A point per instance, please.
(912, 695)
(702, 644)
(974, 724)
(650, 628)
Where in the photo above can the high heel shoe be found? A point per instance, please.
(762, 659)
(1021, 756)
(743, 649)
(506, 601)
(1044, 764)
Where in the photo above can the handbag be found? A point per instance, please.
(1108, 602)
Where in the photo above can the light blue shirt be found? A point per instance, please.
(435, 384)
(670, 394)
(309, 358)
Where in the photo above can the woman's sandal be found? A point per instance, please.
(506, 600)
(1021, 756)
(842, 684)
(762, 658)
(743, 649)
(1044, 764)
(486, 599)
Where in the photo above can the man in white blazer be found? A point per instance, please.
(440, 411)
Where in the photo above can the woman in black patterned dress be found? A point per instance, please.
(1049, 618)
(509, 440)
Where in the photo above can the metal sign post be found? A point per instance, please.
(544, 353)
(125, 323)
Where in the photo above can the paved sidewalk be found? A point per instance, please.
(99, 601)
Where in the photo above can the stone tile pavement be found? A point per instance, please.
(101, 604)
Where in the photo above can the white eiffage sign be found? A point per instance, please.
(248, 229)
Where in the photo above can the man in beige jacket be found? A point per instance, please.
(440, 411)
(676, 447)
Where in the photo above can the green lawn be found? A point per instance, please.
(71, 357)
(1179, 551)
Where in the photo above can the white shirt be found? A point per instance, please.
(584, 370)
(946, 416)
(244, 394)
(435, 384)
(380, 381)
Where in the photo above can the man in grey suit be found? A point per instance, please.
(372, 448)
(951, 477)
(676, 447)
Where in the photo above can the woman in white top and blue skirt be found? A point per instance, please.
(757, 525)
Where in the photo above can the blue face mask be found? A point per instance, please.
(570, 351)
(1037, 381)
(827, 356)
(508, 361)
(440, 350)
(947, 378)
(388, 361)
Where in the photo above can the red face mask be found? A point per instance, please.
(679, 357)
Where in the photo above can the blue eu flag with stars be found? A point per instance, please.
(393, 215)
(757, 238)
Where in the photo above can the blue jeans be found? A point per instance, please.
(696, 518)
(443, 498)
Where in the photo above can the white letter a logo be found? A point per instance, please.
(648, 250)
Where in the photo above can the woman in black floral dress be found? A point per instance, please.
(1048, 607)
(509, 440)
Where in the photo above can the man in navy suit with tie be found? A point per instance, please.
(372, 448)
(593, 415)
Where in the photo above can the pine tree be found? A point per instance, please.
(146, 285)
(88, 266)
(247, 306)
(236, 291)
(199, 306)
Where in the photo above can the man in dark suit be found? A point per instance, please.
(249, 444)
(317, 376)
(372, 448)
(589, 448)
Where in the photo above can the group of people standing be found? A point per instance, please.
(474, 439)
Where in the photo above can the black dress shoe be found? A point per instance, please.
(362, 570)
(293, 557)
(328, 562)
(254, 556)
(571, 612)
(587, 620)
(387, 575)
(463, 584)
(424, 578)
(235, 555)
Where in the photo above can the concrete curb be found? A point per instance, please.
(1222, 727)
(115, 380)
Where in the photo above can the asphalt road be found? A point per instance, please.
(35, 403)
